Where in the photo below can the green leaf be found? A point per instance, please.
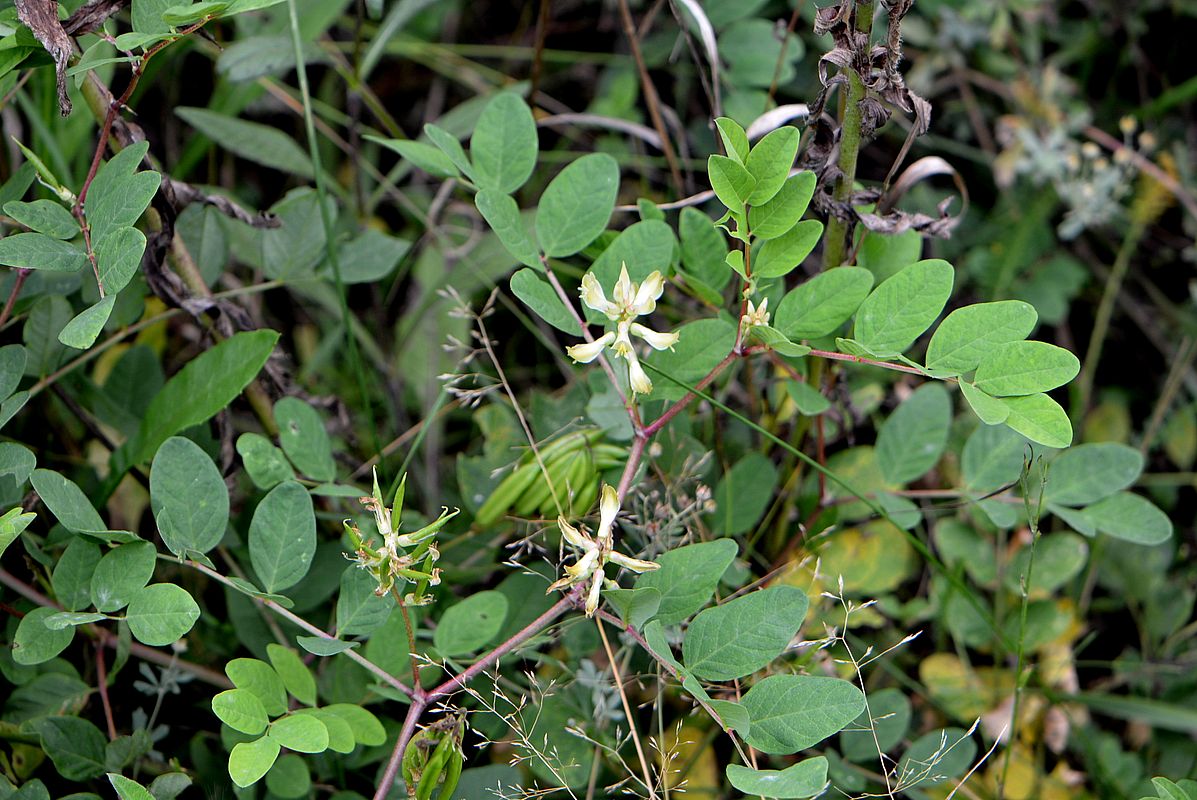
(451, 147)
(422, 155)
(703, 249)
(295, 674)
(282, 536)
(735, 140)
(147, 15)
(733, 184)
(294, 249)
(769, 163)
(302, 733)
(266, 465)
(359, 609)
(261, 144)
(807, 399)
(82, 331)
(539, 296)
(1022, 368)
(319, 646)
(207, 384)
(782, 213)
(988, 409)
(1089, 472)
(38, 251)
(776, 340)
(1039, 418)
(992, 458)
(120, 194)
(701, 346)
(249, 761)
(504, 145)
(793, 712)
(16, 462)
(914, 437)
(181, 15)
(1131, 518)
(261, 680)
(241, 710)
(12, 367)
(34, 642)
(577, 204)
(470, 625)
(1059, 557)
(732, 716)
(67, 502)
(743, 495)
(73, 572)
(688, 577)
(503, 215)
(127, 789)
(804, 779)
(161, 614)
(938, 756)
(67, 619)
(188, 496)
(744, 635)
(118, 257)
(121, 574)
(304, 439)
(12, 523)
(902, 307)
(777, 257)
(635, 606)
(340, 735)
(968, 334)
(890, 710)
(10, 407)
(289, 778)
(822, 304)
(366, 728)
(74, 745)
(44, 216)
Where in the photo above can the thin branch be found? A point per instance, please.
(650, 95)
(305, 626)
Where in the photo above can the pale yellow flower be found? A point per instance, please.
(629, 300)
(596, 552)
(756, 316)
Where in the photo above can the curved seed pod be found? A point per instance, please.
(452, 773)
(541, 491)
(434, 768)
(506, 493)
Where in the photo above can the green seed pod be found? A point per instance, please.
(434, 768)
(452, 773)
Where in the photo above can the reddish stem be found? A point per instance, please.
(22, 276)
(102, 680)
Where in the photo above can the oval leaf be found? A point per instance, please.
(902, 307)
(577, 204)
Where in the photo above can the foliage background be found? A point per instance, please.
(1070, 124)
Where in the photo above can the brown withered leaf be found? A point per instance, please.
(41, 17)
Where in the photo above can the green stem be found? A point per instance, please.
(1082, 387)
(835, 242)
(836, 238)
(330, 244)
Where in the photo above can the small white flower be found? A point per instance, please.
(756, 316)
(596, 552)
(629, 300)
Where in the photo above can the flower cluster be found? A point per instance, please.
(629, 300)
(399, 554)
(595, 552)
